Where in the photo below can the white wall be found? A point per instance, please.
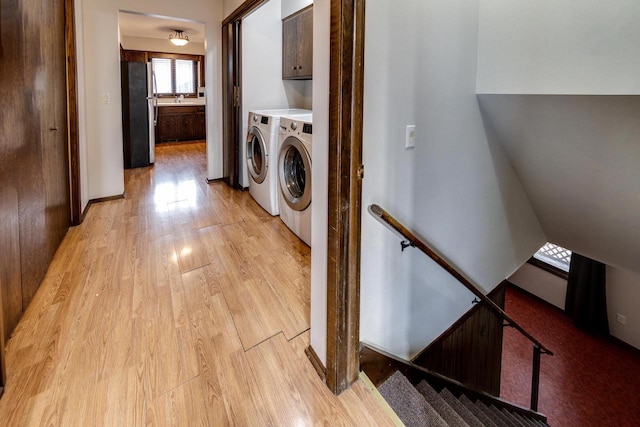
(456, 189)
(262, 85)
(160, 45)
(577, 158)
(320, 177)
(292, 6)
(541, 283)
(102, 123)
(559, 46)
(82, 125)
(623, 296)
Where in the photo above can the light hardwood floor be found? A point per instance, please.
(183, 304)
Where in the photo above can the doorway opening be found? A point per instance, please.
(343, 25)
(163, 84)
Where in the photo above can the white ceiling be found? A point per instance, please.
(578, 159)
(158, 27)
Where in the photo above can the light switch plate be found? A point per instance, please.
(106, 98)
(410, 137)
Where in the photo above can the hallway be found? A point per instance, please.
(163, 308)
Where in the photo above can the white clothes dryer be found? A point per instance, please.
(261, 155)
(294, 174)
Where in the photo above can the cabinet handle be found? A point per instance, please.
(53, 129)
(294, 68)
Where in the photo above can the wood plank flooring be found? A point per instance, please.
(165, 308)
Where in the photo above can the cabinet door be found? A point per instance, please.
(289, 48)
(200, 132)
(167, 127)
(186, 127)
(304, 44)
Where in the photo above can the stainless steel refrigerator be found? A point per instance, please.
(139, 105)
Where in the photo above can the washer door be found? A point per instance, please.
(256, 155)
(294, 170)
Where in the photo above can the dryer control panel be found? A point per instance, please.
(307, 128)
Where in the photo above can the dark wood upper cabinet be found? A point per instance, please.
(297, 45)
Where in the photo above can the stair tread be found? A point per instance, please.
(484, 418)
(462, 410)
(496, 417)
(440, 405)
(410, 406)
(526, 421)
(515, 420)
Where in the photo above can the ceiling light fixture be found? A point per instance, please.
(179, 38)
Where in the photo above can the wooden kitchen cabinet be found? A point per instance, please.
(181, 123)
(297, 45)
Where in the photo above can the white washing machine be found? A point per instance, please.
(294, 174)
(261, 149)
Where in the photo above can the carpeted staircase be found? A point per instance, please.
(422, 405)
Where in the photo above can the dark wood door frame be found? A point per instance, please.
(232, 102)
(72, 111)
(232, 91)
(345, 192)
(345, 187)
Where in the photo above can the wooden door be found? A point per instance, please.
(44, 188)
(34, 174)
(55, 160)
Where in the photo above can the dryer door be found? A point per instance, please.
(294, 171)
(256, 155)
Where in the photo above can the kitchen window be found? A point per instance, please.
(175, 76)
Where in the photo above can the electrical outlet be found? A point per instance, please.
(621, 318)
(410, 137)
(106, 98)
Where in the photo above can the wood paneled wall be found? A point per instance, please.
(34, 168)
(470, 351)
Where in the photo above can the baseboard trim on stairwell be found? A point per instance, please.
(380, 399)
(316, 363)
(211, 181)
(99, 200)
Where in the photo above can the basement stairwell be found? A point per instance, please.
(453, 381)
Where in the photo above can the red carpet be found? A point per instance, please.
(587, 382)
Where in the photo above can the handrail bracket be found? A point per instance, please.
(406, 244)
